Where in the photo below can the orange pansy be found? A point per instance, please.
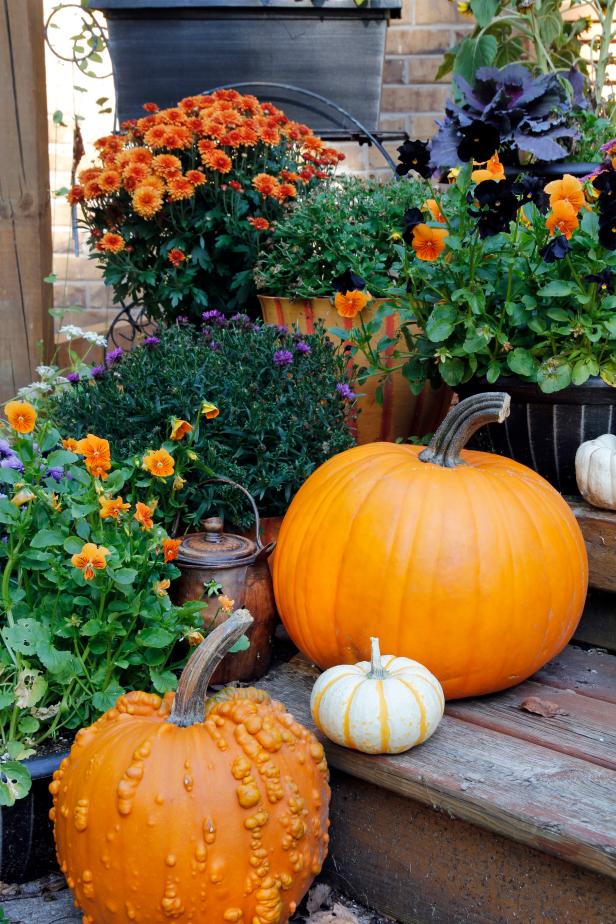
(90, 559)
(348, 304)
(143, 515)
(158, 462)
(568, 190)
(564, 217)
(171, 548)
(112, 507)
(21, 416)
(432, 206)
(179, 428)
(96, 455)
(428, 242)
(493, 170)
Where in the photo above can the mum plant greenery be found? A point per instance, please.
(283, 410)
(85, 569)
(508, 276)
(179, 203)
(346, 223)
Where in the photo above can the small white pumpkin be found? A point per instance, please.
(385, 706)
(595, 470)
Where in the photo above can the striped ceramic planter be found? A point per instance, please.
(544, 431)
(401, 414)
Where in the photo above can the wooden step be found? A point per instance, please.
(539, 792)
(599, 531)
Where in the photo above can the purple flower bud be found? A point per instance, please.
(345, 391)
(303, 347)
(214, 317)
(283, 357)
(97, 371)
(182, 320)
(113, 356)
(215, 346)
(151, 341)
(73, 377)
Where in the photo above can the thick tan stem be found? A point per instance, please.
(462, 421)
(189, 703)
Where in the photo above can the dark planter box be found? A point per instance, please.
(163, 50)
(27, 849)
(544, 431)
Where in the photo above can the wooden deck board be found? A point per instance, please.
(546, 799)
(599, 531)
(589, 673)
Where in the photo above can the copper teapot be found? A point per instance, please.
(238, 566)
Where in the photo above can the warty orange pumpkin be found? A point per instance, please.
(202, 811)
(467, 562)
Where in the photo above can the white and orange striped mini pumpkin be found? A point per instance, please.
(384, 706)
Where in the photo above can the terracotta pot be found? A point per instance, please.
(401, 414)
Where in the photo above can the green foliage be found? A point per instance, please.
(276, 422)
(347, 225)
(595, 131)
(492, 306)
(73, 640)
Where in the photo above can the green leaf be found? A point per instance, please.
(558, 288)
(242, 644)
(553, 378)
(155, 637)
(474, 53)
(8, 511)
(73, 545)
(107, 699)
(15, 782)
(124, 575)
(558, 314)
(58, 117)
(583, 369)
(60, 457)
(163, 681)
(441, 323)
(452, 371)
(484, 11)
(521, 362)
(493, 371)
(46, 538)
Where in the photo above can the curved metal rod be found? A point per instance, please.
(322, 99)
(137, 322)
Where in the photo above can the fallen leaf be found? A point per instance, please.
(542, 707)
(318, 897)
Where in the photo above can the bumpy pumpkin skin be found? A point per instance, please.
(479, 572)
(220, 823)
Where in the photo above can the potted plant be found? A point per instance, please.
(84, 609)
(283, 401)
(178, 204)
(513, 285)
(341, 239)
(166, 49)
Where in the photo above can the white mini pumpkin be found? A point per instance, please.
(595, 470)
(385, 706)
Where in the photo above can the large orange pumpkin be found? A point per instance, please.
(193, 811)
(467, 562)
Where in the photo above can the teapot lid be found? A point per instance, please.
(214, 548)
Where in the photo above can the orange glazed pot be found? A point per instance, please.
(402, 414)
(467, 562)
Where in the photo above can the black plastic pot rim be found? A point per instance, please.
(46, 765)
(321, 6)
(593, 391)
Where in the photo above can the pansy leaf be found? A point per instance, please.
(15, 782)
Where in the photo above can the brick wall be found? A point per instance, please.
(411, 100)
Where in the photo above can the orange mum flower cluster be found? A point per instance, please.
(566, 200)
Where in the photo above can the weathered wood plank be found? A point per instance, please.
(25, 216)
(586, 728)
(547, 800)
(599, 531)
(423, 867)
(588, 672)
(598, 623)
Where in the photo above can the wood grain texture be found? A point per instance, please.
(559, 804)
(590, 673)
(599, 531)
(423, 867)
(25, 218)
(597, 626)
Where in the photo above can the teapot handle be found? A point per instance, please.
(253, 503)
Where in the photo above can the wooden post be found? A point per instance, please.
(25, 213)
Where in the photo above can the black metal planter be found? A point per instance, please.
(544, 431)
(164, 50)
(27, 848)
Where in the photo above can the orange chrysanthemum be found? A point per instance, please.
(176, 256)
(259, 224)
(432, 206)
(76, 194)
(109, 181)
(155, 136)
(154, 182)
(178, 137)
(96, 455)
(90, 559)
(92, 190)
(111, 242)
(196, 177)
(270, 135)
(158, 462)
(143, 515)
(350, 303)
(493, 170)
(568, 190)
(167, 165)
(180, 188)
(563, 216)
(147, 201)
(171, 548)
(136, 173)
(286, 191)
(218, 161)
(21, 416)
(179, 428)
(266, 184)
(428, 242)
(138, 156)
(112, 507)
(150, 107)
(89, 174)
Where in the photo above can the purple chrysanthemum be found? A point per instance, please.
(215, 346)
(182, 320)
(345, 391)
(97, 371)
(214, 317)
(73, 377)
(151, 341)
(283, 357)
(114, 355)
(303, 347)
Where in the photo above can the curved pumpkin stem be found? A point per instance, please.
(460, 424)
(189, 703)
(377, 671)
